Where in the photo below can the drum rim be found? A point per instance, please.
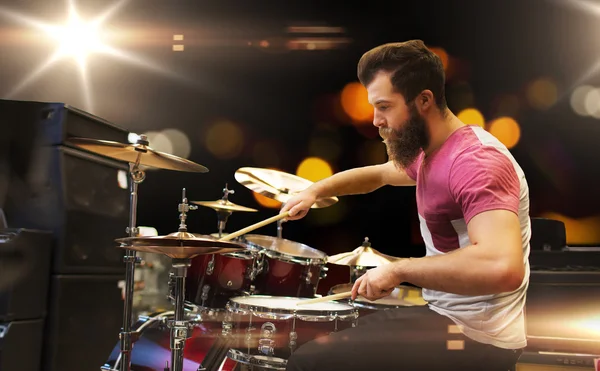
(235, 306)
(322, 260)
(245, 358)
(369, 305)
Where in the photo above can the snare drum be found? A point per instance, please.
(402, 296)
(288, 268)
(213, 279)
(267, 329)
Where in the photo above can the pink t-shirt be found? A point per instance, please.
(470, 173)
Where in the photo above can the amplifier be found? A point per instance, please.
(557, 361)
(25, 296)
(54, 123)
(562, 312)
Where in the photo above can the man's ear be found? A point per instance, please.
(425, 101)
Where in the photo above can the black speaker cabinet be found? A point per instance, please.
(25, 295)
(84, 200)
(83, 324)
(21, 345)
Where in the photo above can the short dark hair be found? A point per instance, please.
(413, 68)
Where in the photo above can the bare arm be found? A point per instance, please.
(493, 262)
(361, 180)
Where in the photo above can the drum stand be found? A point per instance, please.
(280, 224)
(126, 336)
(223, 215)
(180, 328)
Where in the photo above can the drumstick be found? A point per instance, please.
(254, 226)
(341, 295)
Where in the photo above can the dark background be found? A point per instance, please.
(285, 97)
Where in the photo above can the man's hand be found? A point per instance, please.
(377, 282)
(299, 205)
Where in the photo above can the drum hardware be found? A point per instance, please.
(137, 155)
(181, 246)
(361, 259)
(269, 329)
(277, 185)
(224, 208)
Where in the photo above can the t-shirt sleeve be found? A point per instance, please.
(482, 180)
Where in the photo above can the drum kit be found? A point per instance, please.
(235, 295)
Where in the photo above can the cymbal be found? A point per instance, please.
(277, 185)
(364, 256)
(130, 152)
(223, 205)
(180, 245)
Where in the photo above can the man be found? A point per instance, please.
(473, 205)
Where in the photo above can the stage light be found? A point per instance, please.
(77, 38)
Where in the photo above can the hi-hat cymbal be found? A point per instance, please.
(364, 256)
(223, 205)
(130, 152)
(277, 185)
(180, 245)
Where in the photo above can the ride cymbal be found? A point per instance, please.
(364, 256)
(223, 205)
(132, 152)
(180, 245)
(277, 185)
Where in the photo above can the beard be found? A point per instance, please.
(405, 144)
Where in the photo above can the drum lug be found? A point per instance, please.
(308, 276)
(210, 266)
(324, 272)
(266, 344)
(293, 338)
(204, 296)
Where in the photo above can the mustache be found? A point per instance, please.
(386, 133)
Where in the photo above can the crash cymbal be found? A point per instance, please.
(180, 245)
(277, 185)
(223, 205)
(364, 256)
(131, 152)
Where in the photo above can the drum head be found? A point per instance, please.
(281, 247)
(261, 305)
(402, 296)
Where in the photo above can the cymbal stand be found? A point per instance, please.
(127, 336)
(223, 215)
(180, 328)
(280, 224)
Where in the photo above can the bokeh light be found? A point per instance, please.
(580, 231)
(355, 103)
(441, 52)
(578, 97)
(542, 93)
(506, 130)
(471, 116)
(224, 139)
(314, 169)
(179, 141)
(265, 201)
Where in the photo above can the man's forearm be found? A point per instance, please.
(350, 182)
(467, 271)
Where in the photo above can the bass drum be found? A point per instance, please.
(152, 351)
